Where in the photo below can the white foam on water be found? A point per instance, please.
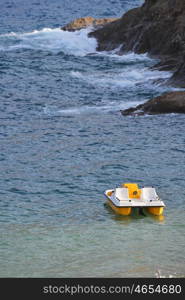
(125, 78)
(127, 57)
(166, 274)
(135, 72)
(54, 40)
(135, 76)
(86, 109)
(79, 44)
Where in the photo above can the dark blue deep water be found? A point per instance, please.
(63, 142)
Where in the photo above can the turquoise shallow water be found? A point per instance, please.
(64, 141)
(114, 248)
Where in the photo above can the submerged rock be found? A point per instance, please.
(173, 102)
(157, 27)
(81, 23)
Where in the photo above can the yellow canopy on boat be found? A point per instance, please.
(133, 189)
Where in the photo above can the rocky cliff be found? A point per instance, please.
(157, 27)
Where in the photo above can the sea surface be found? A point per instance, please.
(63, 142)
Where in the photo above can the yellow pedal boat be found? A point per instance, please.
(129, 196)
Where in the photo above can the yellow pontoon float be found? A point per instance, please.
(127, 197)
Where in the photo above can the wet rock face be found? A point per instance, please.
(178, 78)
(173, 102)
(157, 27)
(81, 23)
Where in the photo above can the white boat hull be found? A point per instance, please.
(125, 206)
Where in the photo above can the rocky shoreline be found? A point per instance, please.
(156, 28)
(167, 103)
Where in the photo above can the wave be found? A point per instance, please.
(78, 43)
(54, 40)
(127, 58)
(87, 109)
(124, 78)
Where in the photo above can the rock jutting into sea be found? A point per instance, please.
(85, 22)
(156, 28)
(172, 102)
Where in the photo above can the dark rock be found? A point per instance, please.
(178, 78)
(173, 102)
(157, 27)
(81, 23)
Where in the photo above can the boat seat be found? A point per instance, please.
(122, 194)
(148, 193)
(134, 191)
